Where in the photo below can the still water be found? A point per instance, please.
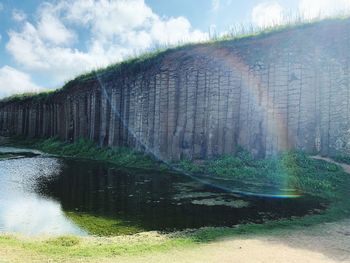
(37, 191)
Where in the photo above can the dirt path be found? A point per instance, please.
(327, 243)
(346, 167)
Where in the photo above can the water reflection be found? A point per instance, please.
(34, 215)
(37, 192)
(160, 201)
(24, 211)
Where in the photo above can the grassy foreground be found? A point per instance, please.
(71, 248)
(293, 170)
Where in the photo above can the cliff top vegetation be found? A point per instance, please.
(146, 59)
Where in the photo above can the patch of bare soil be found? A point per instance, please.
(326, 243)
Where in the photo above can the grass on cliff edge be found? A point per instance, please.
(146, 59)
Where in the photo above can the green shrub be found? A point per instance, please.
(83, 148)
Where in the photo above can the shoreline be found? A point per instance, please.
(149, 244)
(327, 242)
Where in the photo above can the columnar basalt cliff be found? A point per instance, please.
(268, 93)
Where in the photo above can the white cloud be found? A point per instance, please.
(180, 29)
(322, 8)
(215, 5)
(271, 13)
(50, 28)
(267, 14)
(26, 46)
(109, 18)
(116, 29)
(13, 81)
(18, 15)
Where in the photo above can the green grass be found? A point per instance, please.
(290, 170)
(64, 241)
(69, 247)
(123, 157)
(341, 158)
(29, 96)
(103, 226)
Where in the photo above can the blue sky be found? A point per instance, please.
(45, 43)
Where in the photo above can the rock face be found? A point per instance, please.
(274, 92)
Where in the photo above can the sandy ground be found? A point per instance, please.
(325, 243)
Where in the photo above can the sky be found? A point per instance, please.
(43, 44)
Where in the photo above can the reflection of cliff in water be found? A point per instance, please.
(159, 201)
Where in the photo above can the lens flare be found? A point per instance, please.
(259, 94)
